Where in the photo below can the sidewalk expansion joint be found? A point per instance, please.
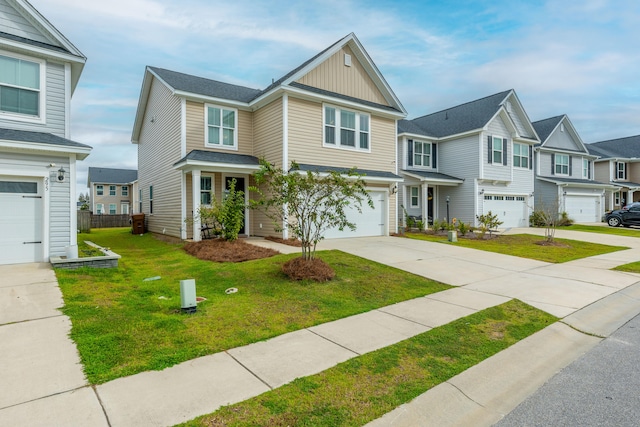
(44, 397)
(333, 342)
(104, 410)
(249, 370)
(404, 318)
(31, 320)
(465, 394)
(591, 334)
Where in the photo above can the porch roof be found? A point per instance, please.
(218, 162)
(434, 177)
(574, 182)
(619, 184)
(371, 175)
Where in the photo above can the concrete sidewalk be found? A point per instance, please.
(586, 294)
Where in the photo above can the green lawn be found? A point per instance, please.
(632, 267)
(524, 245)
(365, 388)
(618, 231)
(85, 251)
(124, 325)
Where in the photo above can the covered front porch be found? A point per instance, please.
(207, 175)
(622, 194)
(420, 196)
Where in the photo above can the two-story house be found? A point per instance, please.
(111, 190)
(39, 71)
(195, 134)
(470, 159)
(565, 172)
(618, 163)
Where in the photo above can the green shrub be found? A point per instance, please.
(463, 228)
(537, 219)
(564, 220)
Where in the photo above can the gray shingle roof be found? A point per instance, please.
(112, 176)
(32, 42)
(627, 148)
(433, 175)
(365, 172)
(546, 126)
(461, 118)
(345, 97)
(216, 157)
(573, 181)
(38, 137)
(206, 87)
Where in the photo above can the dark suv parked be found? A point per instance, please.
(627, 216)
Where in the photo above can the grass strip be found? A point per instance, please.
(86, 251)
(124, 325)
(527, 246)
(362, 389)
(632, 267)
(617, 231)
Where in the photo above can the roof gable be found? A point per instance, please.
(25, 30)
(624, 148)
(558, 132)
(111, 176)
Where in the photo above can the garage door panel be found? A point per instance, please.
(371, 222)
(511, 210)
(21, 219)
(582, 208)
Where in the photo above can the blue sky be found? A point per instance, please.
(580, 58)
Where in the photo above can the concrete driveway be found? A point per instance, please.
(38, 362)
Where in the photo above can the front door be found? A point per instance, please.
(239, 187)
(430, 205)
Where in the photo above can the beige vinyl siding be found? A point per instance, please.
(158, 150)
(633, 172)
(12, 22)
(106, 199)
(54, 104)
(305, 140)
(259, 217)
(196, 130)
(602, 172)
(267, 126)
(333, 75)
(217, 193)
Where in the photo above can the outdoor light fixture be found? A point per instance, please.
(61, 172)
(394, 189)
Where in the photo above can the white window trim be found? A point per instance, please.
(521, 156)
(97, 189)
(41, 118)
(501, 150)
(122, 209)
(115, 190)
(417, 205)
(213, 188)
(616, 198)
(585, 168)
(413, 151)
(122, 191)
(115, 208)
(624, 170)
(337, 145)
(99, 208)
(556, 164)
(233, 147)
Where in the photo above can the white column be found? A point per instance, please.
(195, 185)
(630, 196)
(425, 204)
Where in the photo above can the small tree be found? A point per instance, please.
(546, 215)
(308, 203)
(488, 222)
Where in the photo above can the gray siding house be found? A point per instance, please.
(565, 172)
(475, 157)
(39, 71)
(618, 164)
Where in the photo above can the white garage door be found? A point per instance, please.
(371, 222)
(511, 210)
(21, 212)
(583, 208)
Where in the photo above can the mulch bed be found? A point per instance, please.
(313, 269)
(291, 242)
(219, 250)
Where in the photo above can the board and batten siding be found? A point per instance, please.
(305, 141)
(12, 22)
(54, 104)
(334, 76)
(196, 130)
(158, 150)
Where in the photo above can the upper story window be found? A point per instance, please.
(222, 124)
(497, 150)
(421, 154)
(621, 170)
(112, 190)
(562, 165)
(125, 191)
(20, 90)
(99, 190)
(346, 129)
(586, 169)
(520, 155)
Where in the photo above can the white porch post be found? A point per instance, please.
(425, 204)
(630, 196)
(195, 185)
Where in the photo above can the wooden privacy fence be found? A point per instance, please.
(87, 221)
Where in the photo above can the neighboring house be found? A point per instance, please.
(111, 191)
(335, 111)
(565, 179)
(475, 158)
(39, 71)
(618, 163)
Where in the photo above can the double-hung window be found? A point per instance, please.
(205, 190)
(346, 129)
(497, 150)
(112, 190)
(222, 126)
(415, 197)
(586, 169)
(99, 190)
(112, 208)
(125, 191)
(621, 170)
(20, 86)
(561, 164)
(99, 208)
(421, 154)
(139, 200)
(150, 199)
(520, 155)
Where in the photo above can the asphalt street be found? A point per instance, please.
(602, 388)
